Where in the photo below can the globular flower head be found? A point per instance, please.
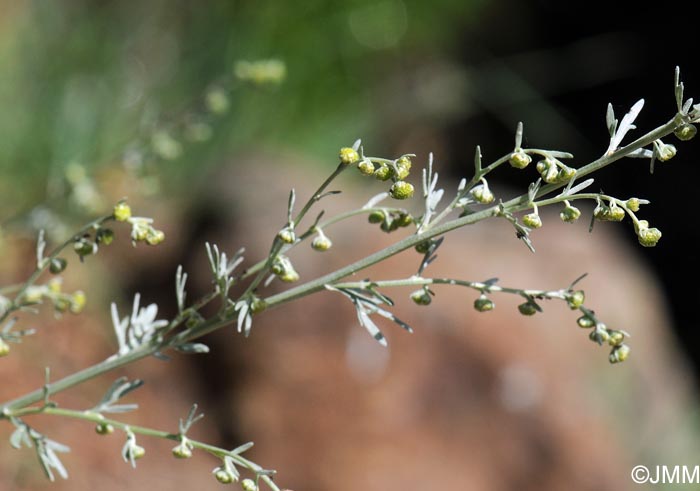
(482, 194)
(287, 235)
(121, 212)
(348, 155)
(575, 299)
(585, 322)
(104, 429)
(366, 167)
(403, 166)
(249, 485)
(649, 237)
(483, 304)
(401, 190)
(664, 151)
(321, 243)
(619, 353)
(527, 308)
(383, 172)
(421, 297)
(616, 337)
(686, 132)
(532, 220)
(519, 160)
(633, 204)
(376, 216)
(570, 214)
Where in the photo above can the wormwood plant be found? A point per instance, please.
(141, 334)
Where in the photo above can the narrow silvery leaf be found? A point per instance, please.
(356, 145)
(242, 448)
(686, 106)
(192, 348)
(579, 187)
(388, 315)
(290, 205)
(519, 136)
(477, 160)
(180, 294)
(19, 437)
(610, 120)
(40, 247)
(371, 327)
(375, 200)
(119, 408)
(641, 153)
(560, 155)
(626, 125)
(462, 185)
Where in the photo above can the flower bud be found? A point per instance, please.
(532, 220)
(77, 302)
(366, 167)
(519, 159)
(33, 294)
(383, 173)
(287, 235)
(403, 166)
(217, 100)
(348, 155)
(404, 220)
(421, 297)
(257, 305)
(223, 477)
(585, 322)
(482, 194)
(565, 174)
(483, 304)
(104, 236)
(121, 212)
(57, 265)
(137, 451)
(548, 170)
(321, 243)
(648, 237)
(527, 308)
(633, 204)
(599, 336)
(182, 451)
(616, 338)
(249, 485)
(104, 429)
(570, 214)
(154, 237)
(401, 190)
(685, 132)
(423, 247)
(54, 285)
(575, 299)
(377, 216)
(4, 348)
(619, 353)
(84, 247)
(665, 152)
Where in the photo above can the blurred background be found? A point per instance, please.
(204, 115)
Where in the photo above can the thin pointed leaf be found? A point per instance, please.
(242, 448)
(519, 136)
(477, 161)
(367, 323)
(610, 121)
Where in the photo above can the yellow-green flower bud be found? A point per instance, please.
(482, 194)
(54, 285)
(403, 166)
(421, 297)
(383, 172)
(649, 237)
(257, 305)
(575, 299)
(104, 429)
(619, 353)
(527, 308)
(483, 304)
(223, 477)
(401, 190)
(570, 214)
(321, 243)
(616, 338)
(137, 452)
(121, 212)
(33, 294)
(182, 451)
(548, 170)
(84, 247)
(348, 155)
(585, 322)
(4, 348)
(404, 220)
(532, 220)
(77, 302)
(217, 100)
(565, 174)
(633, 204)
(376, 216)
(155, 237)
(249, 485)
(616, 213)
(104, 236)
(57, 265)
(287, 235)
(366, 167)
(665, 152)
(599, 336)
(520, 160)
(685, 132)
(61, 305)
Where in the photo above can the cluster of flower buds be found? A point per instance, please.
(519, 159)
(62, 302)
(570, 213)
(390, 220)
(603, 335)
(383, 170)
(608, 213)
(553, 171)
(483, 303)
(141, 228)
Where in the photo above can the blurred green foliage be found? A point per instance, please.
(84, 81)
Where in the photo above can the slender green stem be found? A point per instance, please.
(142, 430)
